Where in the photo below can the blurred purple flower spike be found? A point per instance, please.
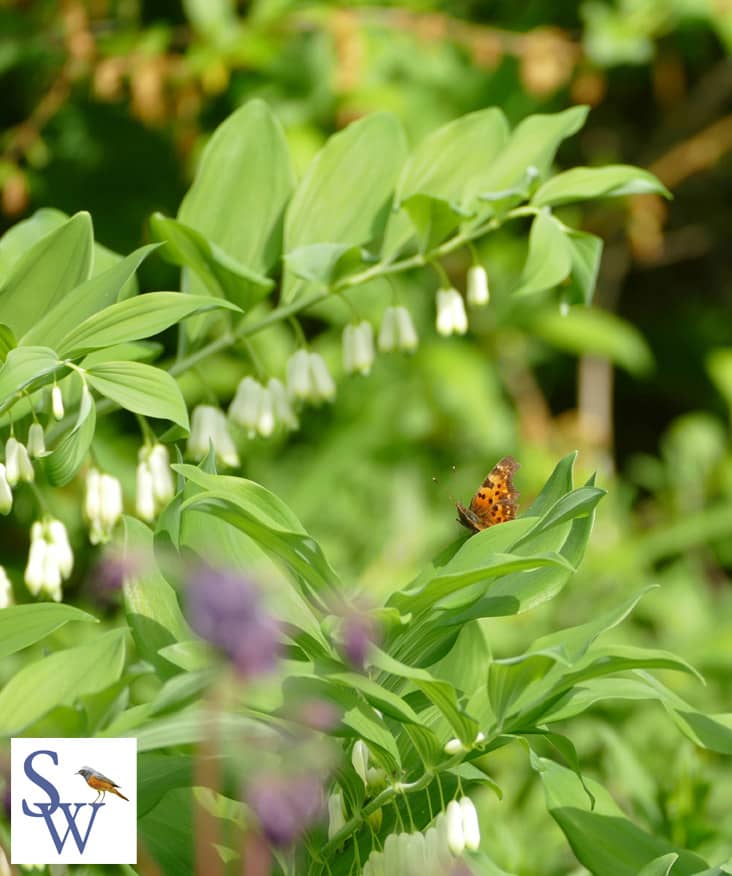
(358, 633)
(285, 806)
(225, 608)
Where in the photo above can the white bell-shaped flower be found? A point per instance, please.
(451, 316)
(478, 293)
(6, 589)
(144, 491)
(336, 814)
(266, 414)
(471, 829)
(57, 402)
(12, 461)
(323, 386)
(299, 383)
(358, 348)
(50, 559)
(245, 407)
(455, 835)
(281, 404)
(36, 445)
(6, 493)
(209, 426)
(360, 760)
(162, 475)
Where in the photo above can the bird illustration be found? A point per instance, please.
(99, 782)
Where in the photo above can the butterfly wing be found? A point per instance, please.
(496, 500)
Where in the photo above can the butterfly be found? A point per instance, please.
(496, 499)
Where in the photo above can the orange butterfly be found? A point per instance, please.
(496, 499)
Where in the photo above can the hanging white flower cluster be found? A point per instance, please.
(210, 427)
(259, 408)
(308, 378)
(102, 505)
(154, 481)
(6, 589)
(397, 331)
(451, 316)
(358, 348)
(50, 559)
(431, 853)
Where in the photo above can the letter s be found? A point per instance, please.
(43, 784)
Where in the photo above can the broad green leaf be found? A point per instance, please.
(23, 625)
(167, 833)
(660, 866)
(568, 752)
(23, 366)
(585, 183)
(559, 483)
(86, 299)
(453, 162)
(603, 839)
(134, 319)
(141, 388)
(51, 268)
(151, 604)
(597, 333)
(242, 184)
(378, 696)
(508, 682)
(532, 144)
(440, 693)
(596, 690)
(549, 260)
(159, 773)
(586, 253)
(324, 262)
(217, 272)
(60, 679)
(345, 194)
(433, 219)
(7, 341)
(191, 656)
(367, 725)
(68, 455)
(578, 503)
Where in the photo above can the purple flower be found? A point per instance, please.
(225, 608)
(358, 633)
(318, 715)
(285, 805)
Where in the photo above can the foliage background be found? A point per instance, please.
(106, 107)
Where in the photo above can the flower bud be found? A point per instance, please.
(358, 348)
(25, 466)
(208, 426)
(471, 830)
(281, 404)
(298, 375)
(36, 441)
(12, 461)
(323, 387)
(162, 475)
(360, 760)
(375, 863)
(374, 819)
(454, 746)
(245, 406)
(387, 340)
(451, 316)
(6, 589)
(57, 402)
(407, 339)
(478, 292)
(145, 491)
(336, 816)
(455, 836)
(6, 494)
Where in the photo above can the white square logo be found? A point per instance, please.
(73, 801)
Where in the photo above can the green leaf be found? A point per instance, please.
(660, 866)
(191, 656)
(151, 604)
(454, 162)
(603, 840)
(141, 388)
(23, 625)
(363, 720)
(7, 341)
(242, 185)
(440, 693)
(585, 183)
(134, 319)
(324, 262)
(586, 253)
(84, 300)
(23, 366)
(60, 679)
(549, 260)
(433, 218)
(578, 503)
(218, 273)
(559, 483)
(159, 773)
(532, 144)
(51, 268)
(345, 194)
(68, 455)
(598, 333)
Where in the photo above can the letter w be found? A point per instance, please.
(71, 824)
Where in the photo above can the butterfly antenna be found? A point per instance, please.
(449, 495)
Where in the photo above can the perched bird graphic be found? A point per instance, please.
(99, 782)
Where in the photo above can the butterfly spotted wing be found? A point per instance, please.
(496, 499)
